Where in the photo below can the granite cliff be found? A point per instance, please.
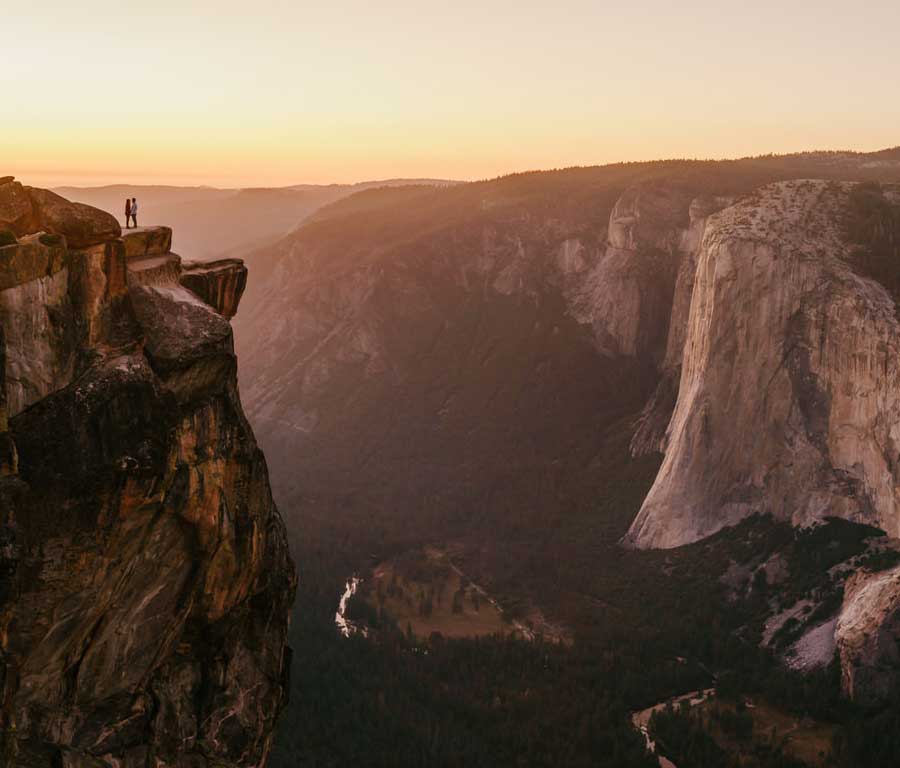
(787, 398)
(496, 342)
(145, 579)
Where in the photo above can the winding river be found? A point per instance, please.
(344, 625)
(641, 718)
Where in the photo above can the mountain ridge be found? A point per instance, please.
(413, 340)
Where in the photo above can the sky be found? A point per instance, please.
(266, 93)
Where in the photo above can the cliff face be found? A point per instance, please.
(787, 402)
(484, 348)
(146, 580)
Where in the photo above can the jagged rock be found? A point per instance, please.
(868, 636)
(786, 402)
(81, 224)
(219, 283)
(146, 581)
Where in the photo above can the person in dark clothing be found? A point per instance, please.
(134, 207)
(127, 213)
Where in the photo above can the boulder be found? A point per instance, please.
(189, 345)
(82, 225)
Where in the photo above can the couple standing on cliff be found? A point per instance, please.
(131, 208)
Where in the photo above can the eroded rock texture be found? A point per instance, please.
(787, 402)
(145, 580)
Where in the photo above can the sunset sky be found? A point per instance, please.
(274, 93)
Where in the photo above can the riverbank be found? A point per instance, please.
(641, 718)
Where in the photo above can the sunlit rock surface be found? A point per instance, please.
(145, 580)
(788, 402)
(868, 636)
(24, 210)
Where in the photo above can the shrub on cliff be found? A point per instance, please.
(7, 238)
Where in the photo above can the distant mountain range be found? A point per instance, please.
(210, 223)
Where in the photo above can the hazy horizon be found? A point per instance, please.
(51, 180)
(226, 95)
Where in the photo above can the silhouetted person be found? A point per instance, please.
(127, 213)
(134, 208)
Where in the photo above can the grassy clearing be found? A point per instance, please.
(423, 591)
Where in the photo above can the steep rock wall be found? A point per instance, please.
(145, 580)
(787, 403)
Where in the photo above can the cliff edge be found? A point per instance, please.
(787, 403)
(145, 579)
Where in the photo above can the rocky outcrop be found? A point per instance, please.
(868, 636)
(81, 224)
(787, 403)
(219, 283)
(24, 210)
(145, 580)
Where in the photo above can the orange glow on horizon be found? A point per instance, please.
(274, 95)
